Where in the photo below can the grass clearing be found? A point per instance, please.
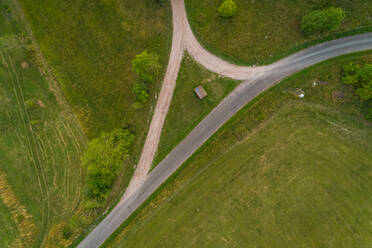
(186, 109)
(283, 172)
(89, 45)
(40, 146)
(264, 31)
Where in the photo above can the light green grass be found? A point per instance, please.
(263, 31)
(284, 172)
(40, 146)
(186, 109)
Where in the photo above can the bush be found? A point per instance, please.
(141, 92)
(67, 231)
(103, 160)
(361, 79)
(146, 66)
(365, 92)
(322, 20)
(227, 9)
(350, 74)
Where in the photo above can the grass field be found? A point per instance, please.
(89, 45)
(265, 30)
(186, 109)
(284, 172)
(40, 146)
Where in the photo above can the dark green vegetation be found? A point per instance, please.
(40, 145)
(322, 20)
(361, 79)
(284, 172)
(146, 66)
(262, 31)
(103, 159)
(186, 109)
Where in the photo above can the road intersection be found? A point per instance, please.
(255, 81)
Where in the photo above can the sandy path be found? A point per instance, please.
(161, 109)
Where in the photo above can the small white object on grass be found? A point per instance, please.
(314, 84)
(301, 95)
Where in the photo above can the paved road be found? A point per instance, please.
(229, 106)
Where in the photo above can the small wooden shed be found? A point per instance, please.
(200, 92)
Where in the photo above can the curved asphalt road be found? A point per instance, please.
(230, 105)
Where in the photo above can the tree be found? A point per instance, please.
(365, 92)
(350, 69)
(322, 20)
(103, 160)
(146, 65)
(361, 79)
(350, 73)
(364, 74)
(227, 9)
(335, 16)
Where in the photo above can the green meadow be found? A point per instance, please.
(186, 109)
(283, 172)
(266, 30)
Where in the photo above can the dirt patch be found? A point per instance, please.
(23, 220)
(25, 65)
(338, 96)
(41, 104)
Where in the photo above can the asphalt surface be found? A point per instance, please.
(223, 112)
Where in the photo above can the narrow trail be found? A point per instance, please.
(161, 109)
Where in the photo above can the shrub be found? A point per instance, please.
(364, 74)
(67, 231)
(141, 92)
(361, 78)
(103, 160)
(227, 9)
(350, 73)
(146, 65)
(365, 92)
(322, 20)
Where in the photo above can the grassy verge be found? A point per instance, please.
(40, 146)
(264, 31)
(276, 138)
(186, 109)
